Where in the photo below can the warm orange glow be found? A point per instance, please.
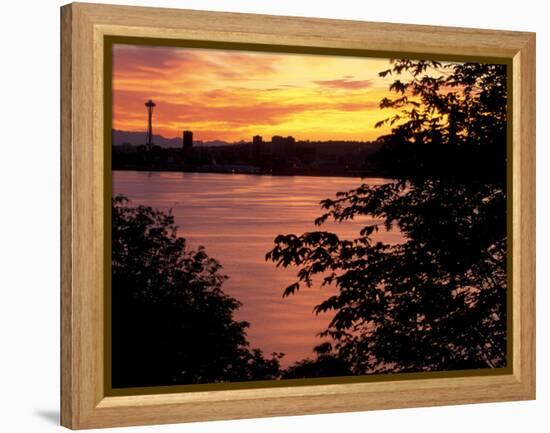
(233, 95)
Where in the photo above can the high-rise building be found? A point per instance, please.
(187, 139)
(187, 144)
(256, 147)
(283, 146)
(257, 139)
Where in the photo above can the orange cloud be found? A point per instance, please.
(232, 95)
(344, 83)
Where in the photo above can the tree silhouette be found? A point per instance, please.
(326, 364)
(437, 300)
(171, 321)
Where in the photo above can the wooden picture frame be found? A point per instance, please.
(84, 403)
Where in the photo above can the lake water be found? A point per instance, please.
(236, 217)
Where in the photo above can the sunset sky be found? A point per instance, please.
(233, 95)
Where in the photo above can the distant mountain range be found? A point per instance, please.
(137, 138)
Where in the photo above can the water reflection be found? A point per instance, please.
(236, 217)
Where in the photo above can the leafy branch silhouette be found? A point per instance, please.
(437, 300)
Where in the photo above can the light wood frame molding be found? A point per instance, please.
(83, 400)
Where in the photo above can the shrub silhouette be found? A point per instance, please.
(171, 321)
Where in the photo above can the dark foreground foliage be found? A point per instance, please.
(436, 301)
(171, 321)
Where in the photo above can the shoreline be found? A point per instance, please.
(278, 173)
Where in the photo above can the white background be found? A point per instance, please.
(29, 216)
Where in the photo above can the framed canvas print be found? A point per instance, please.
(269, 216)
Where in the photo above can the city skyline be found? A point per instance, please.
(179, 138)
(234, 95)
